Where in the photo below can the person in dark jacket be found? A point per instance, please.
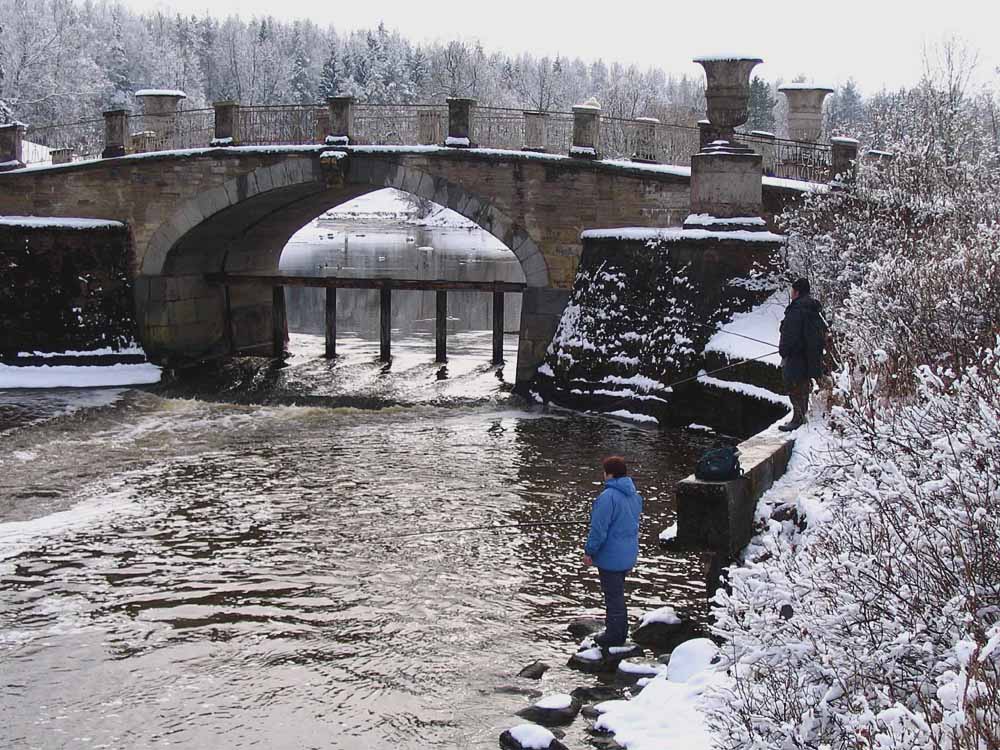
(613, 546)
(803, 335)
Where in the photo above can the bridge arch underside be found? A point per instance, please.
(183, 318)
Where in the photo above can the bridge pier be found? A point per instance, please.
(331, 322)
(385, 324)
(441, 327)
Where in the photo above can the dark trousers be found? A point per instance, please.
(615, 612)
(798, 393)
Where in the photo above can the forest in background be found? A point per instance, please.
(66, 60)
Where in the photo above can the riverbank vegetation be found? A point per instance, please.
(868, 612)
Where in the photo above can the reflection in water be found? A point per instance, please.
(357, 250)
(215, 574)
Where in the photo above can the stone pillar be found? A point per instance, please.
(159, 113)
(764, 142)
(341, 109)
(727, 91)
(645, 140)
(461, 122)
(844, 158)
(227, 123)
(541, 311)
(61, 155)
(726, 175)
(805, 110)
(12, 146)
(586, 130)
(115, 125)
(535, 131)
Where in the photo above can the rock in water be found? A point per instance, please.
(530, 737)
(597, 694)
(596, 660)
(552, 710)
(662, 628)
(534, 671)
(581, 627)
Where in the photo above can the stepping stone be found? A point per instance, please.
(594, 661)
(581, 627)
(552, 710)
(597, 694)
(534, 671)
(630, 671)
(661, 628)
(530, 737)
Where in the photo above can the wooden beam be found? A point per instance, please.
(498, 328)
(385, 324)
(332, 282)
(279, 322)
(441, 327)
(331, 322)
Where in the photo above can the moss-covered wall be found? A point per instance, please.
(64, 288)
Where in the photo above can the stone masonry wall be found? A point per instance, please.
(64, 289)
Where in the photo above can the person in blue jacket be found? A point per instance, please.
(613, 546)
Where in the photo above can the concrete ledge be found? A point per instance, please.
(718, 516)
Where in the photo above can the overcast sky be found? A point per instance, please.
(877, 42)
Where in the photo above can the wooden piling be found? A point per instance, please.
(385, 324)
(498, 318)
(279, 320)
(441, 327)
(331, 322)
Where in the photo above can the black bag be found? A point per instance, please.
(718, 465)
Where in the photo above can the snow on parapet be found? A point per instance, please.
(161, 92)
(672, 234)
(709, 220)
(454, 141)
(57, 222)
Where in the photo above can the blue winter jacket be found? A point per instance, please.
(613, 542)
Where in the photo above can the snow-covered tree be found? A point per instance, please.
(761, 106)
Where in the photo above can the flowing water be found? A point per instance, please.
(231, 562)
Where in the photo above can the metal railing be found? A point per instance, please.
(191, 128)
(281, 125)
(417, 124)
(83, 139)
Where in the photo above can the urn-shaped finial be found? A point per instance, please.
(728, 89)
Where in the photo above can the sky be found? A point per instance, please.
(877, 43)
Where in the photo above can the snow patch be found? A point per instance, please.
(532, 736)
(57, 222)
(677, 235)
(669, 533)
(746, 389)
(665, 615)
(624, 414)
(555, 702)
(72, 376)
(735, 336)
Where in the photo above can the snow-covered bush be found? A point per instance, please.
(878, 626)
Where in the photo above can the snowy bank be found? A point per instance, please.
(72, 376)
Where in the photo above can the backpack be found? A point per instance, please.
(718, 465)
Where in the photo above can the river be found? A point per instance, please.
(231, 561)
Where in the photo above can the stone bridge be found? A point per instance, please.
(232, 209)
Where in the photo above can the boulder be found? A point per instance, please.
(552, 710)
(534, 671)
(530, 737)
(581, 627)
(661, 628)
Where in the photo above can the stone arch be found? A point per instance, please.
(275, 201)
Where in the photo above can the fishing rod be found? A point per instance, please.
(487, 527)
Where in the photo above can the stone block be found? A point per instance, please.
(718, 516)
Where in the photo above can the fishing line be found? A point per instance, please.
(488, 527)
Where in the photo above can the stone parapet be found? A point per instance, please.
(12, 146)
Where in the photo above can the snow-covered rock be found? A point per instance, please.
(530, 737)
(552, 710)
